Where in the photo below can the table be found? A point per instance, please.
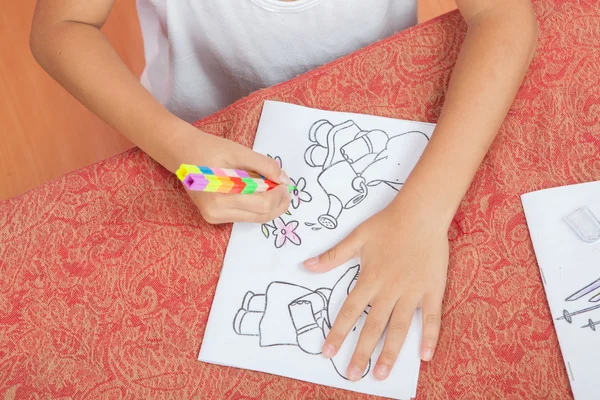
(107, 274)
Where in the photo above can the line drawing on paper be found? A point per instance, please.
(282, 232)
(591, 324)
(287, 314)
(591, 288)
(353, 160)
(584, 291)
(300, 194)
(568, 316)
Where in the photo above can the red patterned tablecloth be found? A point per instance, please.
(107, 274)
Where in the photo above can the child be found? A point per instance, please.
(202, 55)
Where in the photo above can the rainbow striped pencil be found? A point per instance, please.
(222, 180)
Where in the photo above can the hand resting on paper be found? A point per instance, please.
(404, 248)
(201, 148)
(404, 260)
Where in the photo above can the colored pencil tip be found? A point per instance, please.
(291, 188)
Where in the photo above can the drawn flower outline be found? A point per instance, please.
(282, 232)
(300, 195)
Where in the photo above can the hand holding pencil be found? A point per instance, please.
(259, 200)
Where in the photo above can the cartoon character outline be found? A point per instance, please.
(353, 160)
(292, 315)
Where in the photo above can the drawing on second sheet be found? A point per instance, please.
(585, 224)
(593, 287)
(353, 160)
(563, 226)
(287, 314)
(593, 290)
(591, 324)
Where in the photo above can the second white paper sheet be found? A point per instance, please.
(270, 314)
(569, 272)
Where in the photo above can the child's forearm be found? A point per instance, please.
(497, 50)
(80, 58)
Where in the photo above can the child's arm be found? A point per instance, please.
(67, 42)
(404, 249)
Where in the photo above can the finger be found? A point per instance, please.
(267, 203)
(355, 304)
(230, 215)
(344, 251)
(213, 207)
(432, 317)
(396, 334)
(282, 207)
(263, 165)
(370, 334)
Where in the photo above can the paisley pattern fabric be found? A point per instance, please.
(107, 274)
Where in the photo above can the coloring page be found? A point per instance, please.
(565, 231)
(270, 314)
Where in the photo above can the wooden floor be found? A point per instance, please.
(44, 132)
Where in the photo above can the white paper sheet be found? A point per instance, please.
(336, 195)
(570, 269)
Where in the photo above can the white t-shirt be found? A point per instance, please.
(202, 55)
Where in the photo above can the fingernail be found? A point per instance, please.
(354, 374)
(427, 355)
(311, 261)
(328, 351)
(284, 178)
(381, 371)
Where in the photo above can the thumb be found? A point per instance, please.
(344, 251)
(261, 164)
